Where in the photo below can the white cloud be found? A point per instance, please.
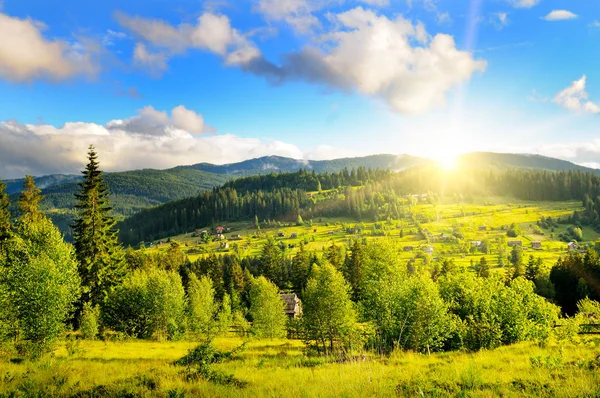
(148, 140)
(500, 20)
(536, 97)
(111, 36)
(524, 3)
(560, 15)
(154, 62)
(296, 13)
(25, 54)
(187, 120)
(575, 98)
(150, 121)
(211, 33)
(595, 25)
(583, 153)
(390, 59)
(377, 3)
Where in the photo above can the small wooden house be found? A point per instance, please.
(293, 305)
(293, 235)
(536, 245)
(236, 237)
(408, 248)
(219, 230)
(513, 243)
(281, 235)
(428, 249)
(482, 228)
(572, 246)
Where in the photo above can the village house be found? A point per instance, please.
(572, 246)
(428, 249)
(536, 245)
(476, 243)
(513, 243)
(236, 237)
(293, 305)
(281, 234)
(408, 248)
(219, 230)
(294, 235)
(224, 245)
(482, 228)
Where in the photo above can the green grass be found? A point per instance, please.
(279, 368)
(492, 212)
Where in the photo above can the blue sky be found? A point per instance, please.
(159, 83)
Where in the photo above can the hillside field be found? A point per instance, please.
(278, 368)
(495, 214)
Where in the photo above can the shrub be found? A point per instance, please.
(88, 324)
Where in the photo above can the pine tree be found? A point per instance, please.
(29, 201)
(483, 270)
(99, 254)
(5, 224)
(353, 271)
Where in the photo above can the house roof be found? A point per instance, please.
(292, 302)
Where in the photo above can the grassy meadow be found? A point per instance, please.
(495, 213)
(277, 368)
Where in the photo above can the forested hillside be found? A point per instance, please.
(361, 194)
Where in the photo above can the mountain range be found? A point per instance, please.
(136, 190)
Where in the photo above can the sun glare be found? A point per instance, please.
(447, 161)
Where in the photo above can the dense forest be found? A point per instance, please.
(362, 194)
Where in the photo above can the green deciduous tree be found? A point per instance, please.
(328, 315)
(148, 304)
(39, 282)
(266, 309)
(202, 309)
(100, 256)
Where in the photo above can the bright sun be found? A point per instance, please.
(447, 161)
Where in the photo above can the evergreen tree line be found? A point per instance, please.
(284, 197)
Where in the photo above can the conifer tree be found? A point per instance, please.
(29, 201)
(99, 254)
(5, 225)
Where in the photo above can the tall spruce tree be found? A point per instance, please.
(5, 224)
(99, 254)
(29, 201)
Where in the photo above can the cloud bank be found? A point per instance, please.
(391, 59)
(25, 54)
(126, 144)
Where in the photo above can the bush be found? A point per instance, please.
(88, 324)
